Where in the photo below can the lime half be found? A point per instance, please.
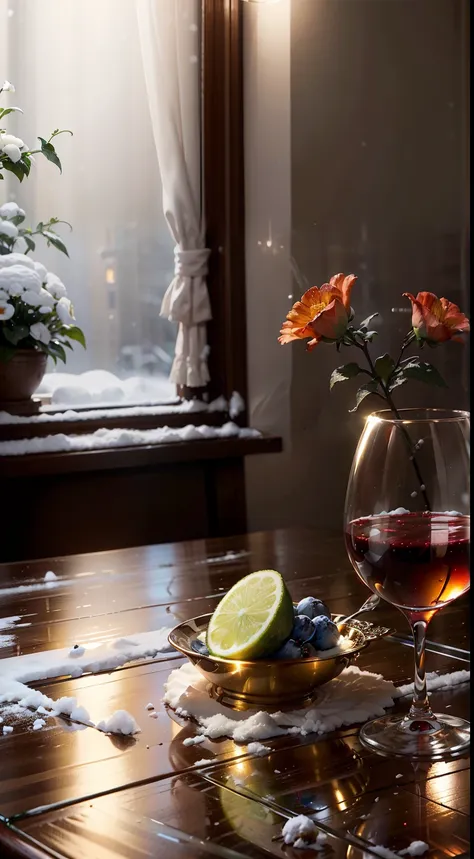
(253, 619)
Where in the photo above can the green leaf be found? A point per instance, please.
(384, 367)
(16, 169)
(26, 161)
(17, 220)
(365, 324)
(56, 350)
(49, 152)
(369, 336)
(14, 335)
(30, 244)
(6, 353)
(54, 240)
(397, 382)
(8, 110)
(423, 372)
(341, 374)
(363, 392)
(74, 333)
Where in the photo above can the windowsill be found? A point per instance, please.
(53, 420)
(139, 456)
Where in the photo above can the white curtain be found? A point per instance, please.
(169, 38)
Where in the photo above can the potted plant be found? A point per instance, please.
(36, 316)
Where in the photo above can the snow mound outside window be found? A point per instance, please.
(100, 387)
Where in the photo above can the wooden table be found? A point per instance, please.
(72, 791)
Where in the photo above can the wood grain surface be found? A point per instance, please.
(71, 791)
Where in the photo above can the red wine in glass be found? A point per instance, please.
(415, 464)
(416, 561)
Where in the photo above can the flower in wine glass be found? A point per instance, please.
(322, 314)
(436, 319)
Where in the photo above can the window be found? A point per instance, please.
(77, 65)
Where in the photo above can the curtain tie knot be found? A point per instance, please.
(191, 263)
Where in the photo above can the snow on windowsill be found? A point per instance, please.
(107, 439)
(48, 414)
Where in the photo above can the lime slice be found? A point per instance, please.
(253, 619)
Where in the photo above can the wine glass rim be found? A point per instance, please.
(420, 415)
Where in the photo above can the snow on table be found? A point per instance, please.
(354, 697)
(18, 671)
(51, 664)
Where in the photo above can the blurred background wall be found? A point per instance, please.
(356, 148)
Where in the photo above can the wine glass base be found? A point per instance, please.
(441, 737)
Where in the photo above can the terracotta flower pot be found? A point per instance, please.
(20, 377)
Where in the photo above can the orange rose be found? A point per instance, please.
(322, 313)
(436, 319)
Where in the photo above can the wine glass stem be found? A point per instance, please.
(420, 708)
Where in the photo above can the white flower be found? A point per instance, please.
(41, 269)
(46, 299)
(12, 151)
(54, 285)
(10, 210)
(16, 259)
(45, 309)
(65, 311)
(8, 87)
(6, 311)
(16, 279)
(34, 299)
(8, 229)
(11, 140)
(4, 296)
(39, 332)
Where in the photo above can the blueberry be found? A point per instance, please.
(303, 628)
(289, 650)
(312, 607)
(326, 633)
(308, 650)
(199, 647)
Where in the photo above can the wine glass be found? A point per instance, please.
(407, 533)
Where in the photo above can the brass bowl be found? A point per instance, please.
(271, 684)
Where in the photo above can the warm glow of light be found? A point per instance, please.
(367, 434)
(110, 275)
(340, 798)
(456, 592)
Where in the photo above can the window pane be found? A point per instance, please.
(77, 65)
